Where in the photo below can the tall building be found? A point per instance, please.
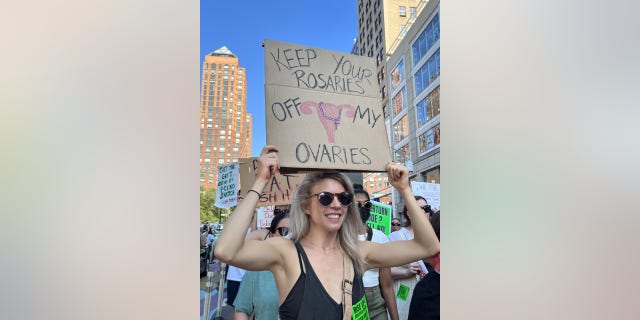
(414, 89)
(381, 26)
(225, 124)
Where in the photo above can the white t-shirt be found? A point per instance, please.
(371, 277)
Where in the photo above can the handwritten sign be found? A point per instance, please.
(279, 191)
(429, 191)
(380, 218)
(323, 109)
(227, 188)
(264, 216)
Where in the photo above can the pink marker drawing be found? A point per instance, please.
(329, 115)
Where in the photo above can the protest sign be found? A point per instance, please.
(278, 191)
(264, 216)
(380, 218)
(227, 188)
(323, 109)
(429, 191)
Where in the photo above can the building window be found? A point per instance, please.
(432, 176)
(403, 11)
(430, 139)
(399, 101)
(402, 154)
(429, 36)
(412, 12)
(429, 107)
(428, 73)
(401, 129)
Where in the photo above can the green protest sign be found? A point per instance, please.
(380, 218)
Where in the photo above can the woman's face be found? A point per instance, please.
(329, 217)
(282, 229)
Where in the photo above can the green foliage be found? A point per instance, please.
(208, 212)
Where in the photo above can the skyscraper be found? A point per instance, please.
(383, 26)
(225, 124)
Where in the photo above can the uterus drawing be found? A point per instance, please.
(329, 115)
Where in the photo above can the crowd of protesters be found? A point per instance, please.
(319, 260)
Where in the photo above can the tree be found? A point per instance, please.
(209, 212)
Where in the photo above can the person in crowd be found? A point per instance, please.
(210, 237)
(258, 295)
(318, 271)
(407, 276)
(378, 285)
(395, 224)
(425, 303)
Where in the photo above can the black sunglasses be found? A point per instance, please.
(395, 224)
(325, 198)
(283, 230)
(366, 204)
(426, 209)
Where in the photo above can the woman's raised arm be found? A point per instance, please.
(424, 243)
(232, 247)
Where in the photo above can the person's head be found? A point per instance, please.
(281, 208)
(325, 200)
(395, 224)
(279, 225)
(362, 201)
(422, 203)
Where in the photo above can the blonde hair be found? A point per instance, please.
(348, 232)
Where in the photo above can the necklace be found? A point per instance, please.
(325, 250)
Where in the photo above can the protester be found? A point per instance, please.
(378, 285)
(395, 224)
(318, 272)
(425, 303)
(407, 276)
(258, 295)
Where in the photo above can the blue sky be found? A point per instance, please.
(243, 25)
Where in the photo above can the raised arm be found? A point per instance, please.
(424, 243)
(232, 247)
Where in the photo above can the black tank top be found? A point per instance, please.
(309, 300)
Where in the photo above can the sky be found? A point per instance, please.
(242, 26)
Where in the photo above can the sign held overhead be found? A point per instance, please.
(323, 109)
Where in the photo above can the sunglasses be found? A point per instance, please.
(395, 224)
(366, 204)
(283, 230)
(326, 198)
(426, 209)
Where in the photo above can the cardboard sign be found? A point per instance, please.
(227, 188)
(264, 217)
(278, 191)
(380, 218)
(429, 191)
(323, 109)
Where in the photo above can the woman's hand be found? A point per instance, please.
(398, 176)
(267, 163)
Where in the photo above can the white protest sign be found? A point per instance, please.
(227, 187)
(429, 191)
(264, 216)
(323, 109)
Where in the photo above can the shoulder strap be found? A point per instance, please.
(369, 233)
(347, 289)
(300, 253)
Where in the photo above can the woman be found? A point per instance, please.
(258, 294)
(318, 274)
(407, 276)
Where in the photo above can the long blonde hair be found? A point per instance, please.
(348, 232)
